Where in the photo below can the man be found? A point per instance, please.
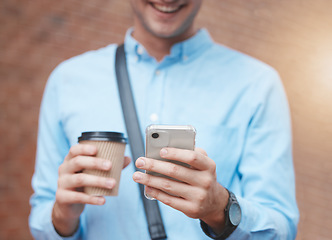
(178, 76)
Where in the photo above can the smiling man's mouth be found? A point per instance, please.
(166, 8)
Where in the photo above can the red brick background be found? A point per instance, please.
(294, 36)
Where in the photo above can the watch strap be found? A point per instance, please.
(229, 227)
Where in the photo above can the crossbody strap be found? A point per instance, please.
(152, 211)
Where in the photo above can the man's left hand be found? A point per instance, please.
(197, 193)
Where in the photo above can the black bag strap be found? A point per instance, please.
(152, 212)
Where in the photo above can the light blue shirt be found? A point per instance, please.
(236, 103)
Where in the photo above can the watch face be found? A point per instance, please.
(235, 214)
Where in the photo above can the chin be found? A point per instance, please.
(164, 34)
(168, 32)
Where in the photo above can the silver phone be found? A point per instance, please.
(175, 136)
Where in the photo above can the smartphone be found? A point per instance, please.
(175, 136)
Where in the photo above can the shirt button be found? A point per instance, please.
(158, 72)
(185, 58)
(140, 50)
(154, 117)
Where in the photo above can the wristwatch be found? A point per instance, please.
(232, 219)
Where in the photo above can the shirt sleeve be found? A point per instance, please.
(267, 182)
(52, 147)
(267, 199)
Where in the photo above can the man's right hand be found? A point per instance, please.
(70, 198)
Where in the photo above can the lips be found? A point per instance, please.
(166, 8)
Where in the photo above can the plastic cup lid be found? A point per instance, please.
(103, 136)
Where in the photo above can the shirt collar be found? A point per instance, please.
(180, 51)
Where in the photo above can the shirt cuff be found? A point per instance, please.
(53, 233)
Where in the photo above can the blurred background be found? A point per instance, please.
(293, 36)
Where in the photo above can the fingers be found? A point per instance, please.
(79, 163)
(70, 172)
(188, 175)
(81, 149)
(64, 196)
(201, 150)
(197, 194)
(191, 209)
(73, 181)
(82, 156)
(169, 186)
(197, 159)
(169, 169)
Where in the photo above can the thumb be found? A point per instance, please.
(126, 162)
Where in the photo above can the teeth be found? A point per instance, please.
(166, 9)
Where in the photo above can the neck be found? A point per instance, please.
(158, 47)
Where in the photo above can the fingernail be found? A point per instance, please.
(106, 165)
(110, 183)
(163, 152)
(137, 176)
(140, 162)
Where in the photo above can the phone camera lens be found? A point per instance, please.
(155, 135)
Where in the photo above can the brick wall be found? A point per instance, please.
(294, 36)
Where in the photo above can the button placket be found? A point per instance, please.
(154, 117)
(155, 96)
